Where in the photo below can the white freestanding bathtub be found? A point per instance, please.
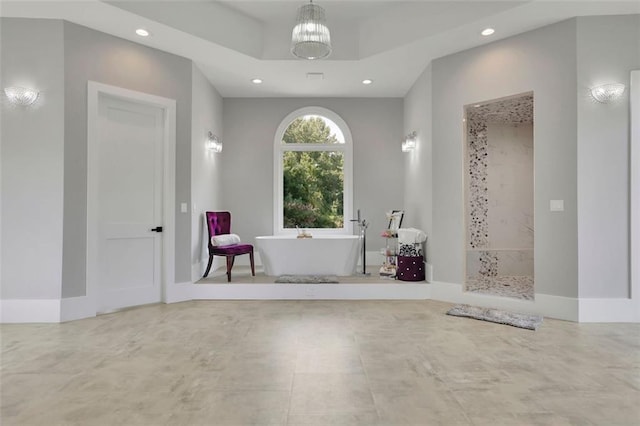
(320, 255)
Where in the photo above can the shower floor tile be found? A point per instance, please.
(518, 287)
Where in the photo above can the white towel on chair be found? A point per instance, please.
(411, 236)
(224, 240)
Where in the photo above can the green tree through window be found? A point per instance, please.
(313, 180)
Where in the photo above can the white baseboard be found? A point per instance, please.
(74, 308)
(179, 292)
(238, 291)
(446, 292)
(558, 307)
(609, 310)
(564, 308)
(29, 310)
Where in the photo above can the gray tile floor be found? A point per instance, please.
(316, 363)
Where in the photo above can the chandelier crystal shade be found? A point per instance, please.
(410, 141)
(213, 143)
(21, 95)
(310, 38)
(607, 92)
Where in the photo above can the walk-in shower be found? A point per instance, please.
(499, 197)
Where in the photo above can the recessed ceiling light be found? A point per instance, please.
(142, 32)
(488, 31)
(367, 81)
(256, 81)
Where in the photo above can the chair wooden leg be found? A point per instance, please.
(230, 260)
(208, 266)
(253, 269)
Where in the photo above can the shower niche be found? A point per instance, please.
(499, 182)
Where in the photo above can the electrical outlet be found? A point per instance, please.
(556, 205)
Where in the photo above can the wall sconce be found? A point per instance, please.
(21, 95)
(409, 142)
(607, 92)
(213, 143)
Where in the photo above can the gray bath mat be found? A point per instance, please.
(307, 279)
(530, 322)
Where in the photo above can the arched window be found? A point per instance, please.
(313, 173)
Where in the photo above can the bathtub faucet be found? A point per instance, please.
(363, 225)
(358, 219)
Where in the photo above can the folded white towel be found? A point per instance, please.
(225, 240)
(411, 236)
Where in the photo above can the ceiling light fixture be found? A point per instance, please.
(256, 81)
(21, 95)
(310, 38)
(142, 32)
(367, 81)
(607, 92)
(487, 31)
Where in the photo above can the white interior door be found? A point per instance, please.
(129, 182)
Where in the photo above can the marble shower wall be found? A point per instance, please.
(500, 188)
(494, 263)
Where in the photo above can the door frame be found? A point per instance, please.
(634, 188)
(94, 91)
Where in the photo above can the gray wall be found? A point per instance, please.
(43, 151)
(205, 165)
(542, 61)
(608, 49)
(32, 160)
(92, 55)
(250, 125)
(418, 165)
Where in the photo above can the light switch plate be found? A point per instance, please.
(556, 205)
(183, 207)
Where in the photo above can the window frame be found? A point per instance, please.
(280, 148)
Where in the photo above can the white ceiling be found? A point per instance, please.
(389, 41)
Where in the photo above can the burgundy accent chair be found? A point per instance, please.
(219, 223)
